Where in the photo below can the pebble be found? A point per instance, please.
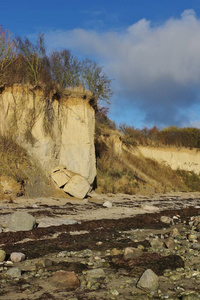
(17, 257)
(130, 252)
(115, 252)
(114, 292)
(95, 277)
(107, 204)
(170, 244)
(174, 232)
(2, 255)
(166, 220)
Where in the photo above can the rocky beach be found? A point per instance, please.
(103, 247)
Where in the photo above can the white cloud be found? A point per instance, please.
(156, 68)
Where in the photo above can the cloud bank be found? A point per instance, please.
(156, 67)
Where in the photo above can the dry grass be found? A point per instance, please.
(132, 174)
(13, 159)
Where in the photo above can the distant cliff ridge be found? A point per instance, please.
(54, 130)
(183, 158)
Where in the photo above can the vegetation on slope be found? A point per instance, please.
(169, 136)
(130, 173)
(13, 159)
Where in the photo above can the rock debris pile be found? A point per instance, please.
(70, 182)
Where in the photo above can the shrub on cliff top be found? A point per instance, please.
(23, 61)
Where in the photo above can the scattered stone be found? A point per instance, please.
(95, 276)
(107, 204)
(14, 272)
(166, 220)
(169, 243)
(115, 252)
(2, 255)
(66, 280)
(87, 253)
(114, 292)
(130, 253)
(44, 263)
(63, 254)
(17, 257)
(148, 281)
(192, 237)
(174, 232)
(21, 221)
(156, 243)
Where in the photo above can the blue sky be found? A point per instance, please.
(150, 48)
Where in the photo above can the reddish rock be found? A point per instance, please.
(66, 280)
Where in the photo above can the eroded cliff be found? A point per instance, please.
(54, 130)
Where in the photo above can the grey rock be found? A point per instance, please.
(21, 221)
(156, 243)
(14, 273)
(148, 281)
(95, 276)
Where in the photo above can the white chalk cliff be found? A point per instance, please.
(54, 130)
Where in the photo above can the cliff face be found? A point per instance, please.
(54, 131)
(183, 159)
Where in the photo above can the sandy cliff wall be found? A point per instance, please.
(184, 159)
(54, 131)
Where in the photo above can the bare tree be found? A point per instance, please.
(35, 57)
(7, 52)
(94, 79)
(65, 68)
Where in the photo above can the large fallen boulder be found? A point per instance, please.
(77, 186)
(61, 175)
(70, 182)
